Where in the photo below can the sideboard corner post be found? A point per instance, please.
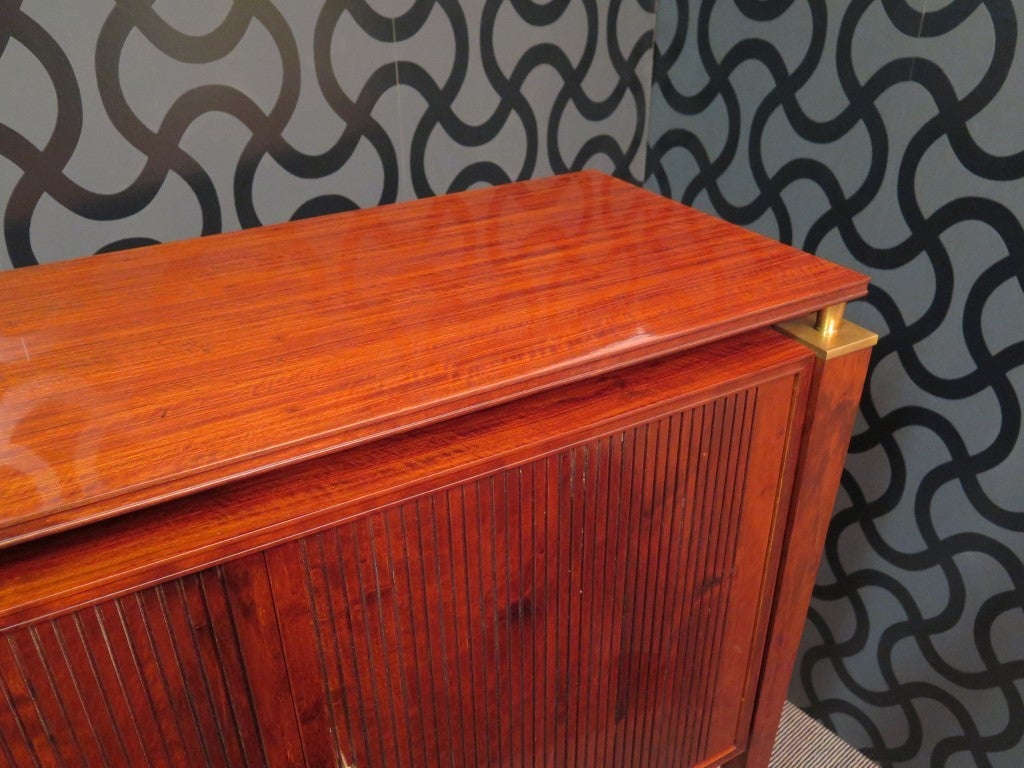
(842, 350)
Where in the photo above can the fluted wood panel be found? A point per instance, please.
(150, 679)
(570, 611)
(595, 606)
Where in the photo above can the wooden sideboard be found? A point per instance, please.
(524, 476)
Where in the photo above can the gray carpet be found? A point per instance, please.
(803, 742)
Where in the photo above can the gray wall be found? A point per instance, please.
(868, 132)
(134, 122)
(892, 141)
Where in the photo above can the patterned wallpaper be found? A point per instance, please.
(888, 135)
(884, 134)
(127, 122)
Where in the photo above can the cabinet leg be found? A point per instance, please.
(835, 393)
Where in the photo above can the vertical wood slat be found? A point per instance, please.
(54, 707)
(571, 611)
(566, 612)
(149, 679)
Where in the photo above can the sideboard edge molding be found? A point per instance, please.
(141, 376)
(110, 554)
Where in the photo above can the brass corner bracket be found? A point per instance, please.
(827, 333)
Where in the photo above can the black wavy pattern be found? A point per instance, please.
(920, 703)
(42, 170)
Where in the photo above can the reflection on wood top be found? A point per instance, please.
(137, 376)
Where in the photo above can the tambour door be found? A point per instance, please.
(595, 607)
(599, 603)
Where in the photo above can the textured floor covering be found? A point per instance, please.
(803, 742)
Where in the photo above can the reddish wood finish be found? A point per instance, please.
(835, 392)
(588, 607)
(153, 678)
(516, 477)
(134, 377)
(182, 536)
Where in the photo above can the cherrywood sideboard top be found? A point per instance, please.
(138, 376)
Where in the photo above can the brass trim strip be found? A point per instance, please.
(827, 333)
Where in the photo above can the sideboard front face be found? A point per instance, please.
(601, 600)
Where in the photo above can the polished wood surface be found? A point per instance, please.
(83, 566)
(834, 397)
(596, 604)
(516, 477)
(134, 377)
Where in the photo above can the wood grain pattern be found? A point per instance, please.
(134, 377)
(151, 679)
(833, 401)
(68, 570)
(585, 607)
(514, 477)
